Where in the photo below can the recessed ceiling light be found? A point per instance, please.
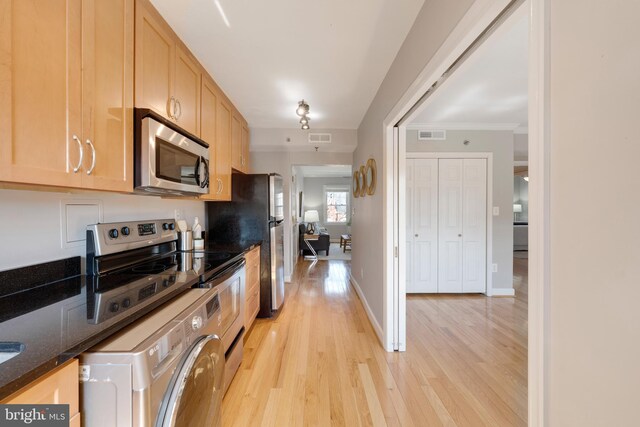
(224, 15)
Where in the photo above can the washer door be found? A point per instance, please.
(194, 395)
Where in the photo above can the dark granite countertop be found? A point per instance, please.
(44, 312)
(243, 247)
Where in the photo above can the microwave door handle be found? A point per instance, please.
(205, 181)
(196, 171)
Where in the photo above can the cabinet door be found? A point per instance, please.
(236, 142)
(41, 92)
(474, 225)
(187, 92)
(59, 386)
(450, 226)
(425, 225)
(154, 61)
(245, 148)
(107, 96)
(223, 149)
(208, 132)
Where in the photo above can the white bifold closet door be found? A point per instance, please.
(462, 218)
(422, 225)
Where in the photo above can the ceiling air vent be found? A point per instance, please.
(432, 135)
(320, 138)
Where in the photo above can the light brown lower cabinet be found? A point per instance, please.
(60, 386)
(252, 287)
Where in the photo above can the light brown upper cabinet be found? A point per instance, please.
(223, 149)
(209, 100)
(167, 76)
(245, 148)
(52, 133)
(107, 98)
(236, 141)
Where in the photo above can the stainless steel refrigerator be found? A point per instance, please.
(255, 213)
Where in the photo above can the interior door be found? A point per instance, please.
(409, 173)
(450, 174)
(425, 226)
(474, 228)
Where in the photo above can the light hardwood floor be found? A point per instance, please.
(320, 363)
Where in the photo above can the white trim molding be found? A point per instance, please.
(372, 319)
(503, 292)
(513, 127)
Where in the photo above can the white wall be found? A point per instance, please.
(432, 25)
(500, 143)
(282, 162)
(520, 147)
(278, 139)
(33, 221)
(593, 343)
(314, 199)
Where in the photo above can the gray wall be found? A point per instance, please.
(520, 147)
(500, 143)
(314, 199)
(282, 162)
(593, 341)
(436, 20)
(36, 226)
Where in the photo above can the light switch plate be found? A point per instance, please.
(496, 210)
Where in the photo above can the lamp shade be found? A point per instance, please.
(517, 208)
(311, 216)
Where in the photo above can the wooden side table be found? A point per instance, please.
(345, 240)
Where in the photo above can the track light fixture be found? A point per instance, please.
(303, 108)
(303, 111)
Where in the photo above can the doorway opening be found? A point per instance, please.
(454, 206)
(321, 199)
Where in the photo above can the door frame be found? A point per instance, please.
(402, 267)
(476, 20)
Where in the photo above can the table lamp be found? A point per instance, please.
(311, 217)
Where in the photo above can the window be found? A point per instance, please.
(336, 202)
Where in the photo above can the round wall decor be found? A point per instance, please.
(363, 182)
(371, 176)
(356, 183)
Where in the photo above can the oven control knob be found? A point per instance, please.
(165, 226)
(172, 226)
(114, 307)
(125, 231)
(196, 323)
(113, 233)
(126, 303)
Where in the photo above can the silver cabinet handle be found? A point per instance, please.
(171, 107)
(178, 110)
(77, 168)
(220, 186)
(93, 156)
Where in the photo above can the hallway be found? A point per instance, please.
(320, 363)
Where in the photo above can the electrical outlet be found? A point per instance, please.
(494, 268)
(496, 210)
(177, 214)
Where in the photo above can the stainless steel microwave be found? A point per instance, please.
(168, 160)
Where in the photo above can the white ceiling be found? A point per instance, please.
(328, 171)
(332, 53)
(489, 89)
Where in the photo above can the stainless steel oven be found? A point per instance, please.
(168, 160)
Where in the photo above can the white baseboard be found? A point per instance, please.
(503, 292)
(372, 319)
(287, 279)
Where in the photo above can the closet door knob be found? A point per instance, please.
(459, 235)
(416, 235)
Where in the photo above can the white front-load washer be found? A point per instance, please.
(164, 370)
